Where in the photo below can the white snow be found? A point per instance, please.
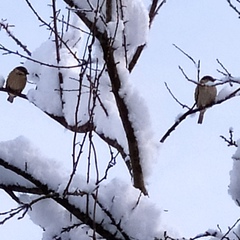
(228, 87)
(76, 102)
(30, 161)
(121, 200)
(226, 91)
(139, 116)
(46, 94)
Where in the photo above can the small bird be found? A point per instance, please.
(204, 95)
(16, 82)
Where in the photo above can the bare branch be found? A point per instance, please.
(18, 42)
(225, 69)
(187, 55)
(181, 104)
(57, 49)
(154, 8)
(8, 51)
(192, 111)
(111, 163)
(230, 141)
(230, 229)
(233, 7)
(108, 10)
(135, 57)
(12, 213)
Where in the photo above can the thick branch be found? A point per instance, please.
(138, 179)
(108, 54)
(135, 57)
(87, 127)
(22, 189)
(60, 119)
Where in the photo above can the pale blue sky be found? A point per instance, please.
(192, 174)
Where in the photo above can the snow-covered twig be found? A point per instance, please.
(113, 221)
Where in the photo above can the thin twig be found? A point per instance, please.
(154, 8)
(187, 55)
(224, 68)
(230, 141)
(8, 51)
(230, 229)
(185, 75)
(181, 104)
(18, 42)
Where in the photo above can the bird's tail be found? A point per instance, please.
(10, 98)
(200, 118)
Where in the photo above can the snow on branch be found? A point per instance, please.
(103, 209)
(112, 26)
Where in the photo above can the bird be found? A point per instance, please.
(16, 81)
(204, 95)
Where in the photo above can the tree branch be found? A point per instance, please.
(18, 42)
(154, 8)
(63, 201)
(108, 55)
(192, 111)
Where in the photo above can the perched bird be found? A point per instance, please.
(205, 94)
(16, 82)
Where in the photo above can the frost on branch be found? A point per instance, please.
(116, 208)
